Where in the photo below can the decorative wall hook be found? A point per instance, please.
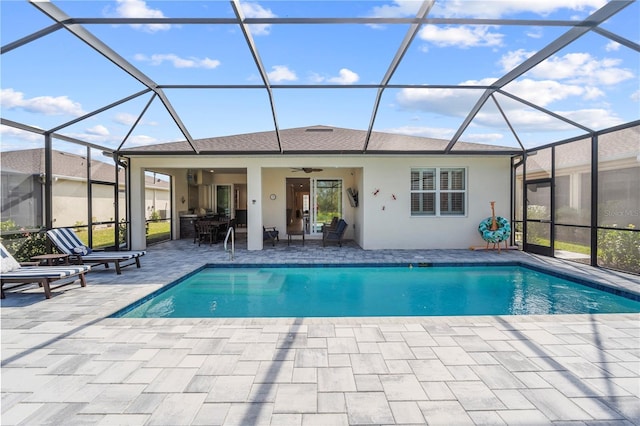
(375, 193)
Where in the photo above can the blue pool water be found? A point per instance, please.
(353, 291)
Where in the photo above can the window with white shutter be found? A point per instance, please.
(438, 192)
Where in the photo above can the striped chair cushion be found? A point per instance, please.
(55, 272)
(66, 240)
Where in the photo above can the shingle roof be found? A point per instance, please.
(621, 144)
(65, 164)
(316, 140)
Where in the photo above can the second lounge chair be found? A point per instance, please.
(67, 242)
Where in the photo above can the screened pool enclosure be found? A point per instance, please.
(87, 86)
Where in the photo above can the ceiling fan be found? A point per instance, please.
(305, 169)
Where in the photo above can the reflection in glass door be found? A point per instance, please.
(327, 194)
(223, 200)
(538, 235)
(103, 229)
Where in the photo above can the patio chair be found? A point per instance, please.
(332, 225)
(206, 230)
(13, 273)
(270, 233)
(334, 235)
(66, 241)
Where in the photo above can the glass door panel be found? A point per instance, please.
(103, 212)
(328, 202)
(538, 237)
(223, 200)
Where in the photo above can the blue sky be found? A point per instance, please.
(57, 78)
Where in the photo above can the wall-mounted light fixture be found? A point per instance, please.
(183, 199)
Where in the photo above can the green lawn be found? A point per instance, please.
(105, 237)
(561, 245)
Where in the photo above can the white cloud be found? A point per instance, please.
(462, 36)
(612, 46)
(591, 93)
(98, 130)
(139, 9)
(535, 32)
(448, 102)
(48, 105)
(254, 10)
(456, 103)
(428, 132)
(346, 77)
(498, 9)
(544, 92)
(512, 59)
(125, 118)
(635, 96)
(316, 78)
(484, 138)
(582, 68)
(595, 118)
(101, 135)
(397, 9)
(139, 140)
(576, 68)
(281, 73)
(177, 61)
(22, 135)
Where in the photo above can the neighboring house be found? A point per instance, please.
(23, 189)
(618, 177)
(410, 194)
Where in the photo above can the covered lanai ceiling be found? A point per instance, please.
(130, 75)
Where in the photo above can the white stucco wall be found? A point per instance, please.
(369, 225)
(395, 228)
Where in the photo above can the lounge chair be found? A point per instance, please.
(13, 273)
(270, 233)
(66, 241)
(334, 235)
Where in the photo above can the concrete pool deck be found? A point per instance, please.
(64, 362)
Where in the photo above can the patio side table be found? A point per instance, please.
(52, 259)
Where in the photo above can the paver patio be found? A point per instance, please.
(65, 362)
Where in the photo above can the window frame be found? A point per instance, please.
(438, 191)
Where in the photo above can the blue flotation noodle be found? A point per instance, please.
(497, 236)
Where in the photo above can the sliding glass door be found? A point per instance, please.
(327, 196)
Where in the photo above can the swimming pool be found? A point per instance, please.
(356, 291)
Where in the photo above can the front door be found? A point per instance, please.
(538, 217)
